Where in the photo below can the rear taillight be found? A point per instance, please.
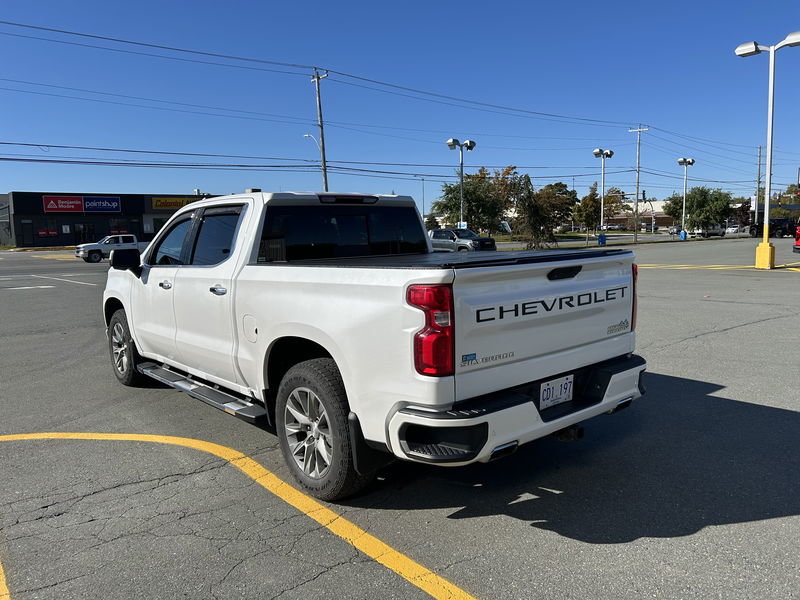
(434, 344)
(635, 274)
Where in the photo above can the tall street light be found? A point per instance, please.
(453, 143)
(602, 155)
(685, 163)
(765, 252)
(324, 166)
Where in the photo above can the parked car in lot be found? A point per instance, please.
(612, 227)
(796, 239)
(736, 229)
(328, 317)
(711, 230)
(442, 244)
(651, 227)
(778, 227)
(675, 229)
(101, 249)
(465, 239)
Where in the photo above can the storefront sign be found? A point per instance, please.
(170, 203)
(62, 203)
(102, 204)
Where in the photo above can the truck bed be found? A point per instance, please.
(458, 260)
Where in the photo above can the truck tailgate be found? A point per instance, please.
(524, 322)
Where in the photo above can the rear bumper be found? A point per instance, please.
(476, 429)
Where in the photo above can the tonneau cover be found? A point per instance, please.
(458, 260)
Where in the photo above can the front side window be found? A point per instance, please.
(216, 237)
(169, 249)
(467, 234)
(338, 231)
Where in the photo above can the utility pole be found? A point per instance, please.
(758, 188)
(316, 79)
(638, 131)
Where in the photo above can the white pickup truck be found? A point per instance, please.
(329, 316)
(102, 249)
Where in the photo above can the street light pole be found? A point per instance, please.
(765, 252)
(453, 143)
(686, 163)
(602, 155)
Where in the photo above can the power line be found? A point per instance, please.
(303, 66)
(152, 55)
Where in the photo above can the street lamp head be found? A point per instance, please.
(608, 153)
(453, 143)
(690, 161)
(469, 144)
(793, 39)
(598, 152)
(747, 49)
(684, 162)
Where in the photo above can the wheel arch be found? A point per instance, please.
(111, 306)
(282, 355)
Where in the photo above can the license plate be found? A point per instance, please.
(555, 391)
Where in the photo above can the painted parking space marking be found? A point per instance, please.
(30, 287)
(61, 279)
(784, 267)
(4, 595)
(55, 256)
(397, 562)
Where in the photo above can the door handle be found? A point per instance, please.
(218, 291)
(165, 284)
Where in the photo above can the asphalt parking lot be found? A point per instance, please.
(691, 493)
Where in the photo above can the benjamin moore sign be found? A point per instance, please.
(160, 203)
(103, 204)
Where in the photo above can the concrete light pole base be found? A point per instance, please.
(765, 256)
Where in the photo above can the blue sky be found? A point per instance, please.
(669, 66)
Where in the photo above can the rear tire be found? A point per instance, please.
(125, 360)
(311, 419)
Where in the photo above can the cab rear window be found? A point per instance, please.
(294, 233)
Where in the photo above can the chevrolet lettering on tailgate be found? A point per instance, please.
(547, 305)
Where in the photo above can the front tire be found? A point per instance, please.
(124, 357)
(311, 416)
(95, 256)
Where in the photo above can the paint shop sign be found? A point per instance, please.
(89, 204)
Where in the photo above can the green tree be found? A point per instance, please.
(705, 207)
(742, 212)
(540, 212)
(673, 206)
(485, 200)
(431, 222)
(614, 204)
(587, 213)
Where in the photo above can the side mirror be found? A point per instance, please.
(126, 260)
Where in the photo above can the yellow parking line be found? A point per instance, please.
(703, 267)
(54, 256)
(4, 595)
(379, 551)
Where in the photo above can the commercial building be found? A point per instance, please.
(30, 219)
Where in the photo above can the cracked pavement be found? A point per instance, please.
(690, 493)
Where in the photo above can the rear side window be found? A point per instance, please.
(216, 236)
(338, 231)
